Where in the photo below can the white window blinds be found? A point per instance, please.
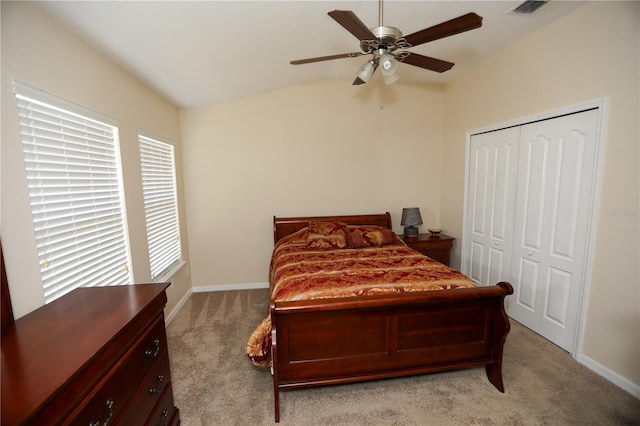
(157, 160)
(73, 172)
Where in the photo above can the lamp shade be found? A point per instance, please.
(411, 216)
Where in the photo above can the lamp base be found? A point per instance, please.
(410, 231)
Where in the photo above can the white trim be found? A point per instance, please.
(150, 135)
(603, 115)
(226, 287)
(166, 277)
(592, 104)
(168, 318)
(602, 105)
(612, 376)
(42, 96)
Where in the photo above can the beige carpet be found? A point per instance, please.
(214, 383)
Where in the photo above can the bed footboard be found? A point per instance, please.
(334, 341)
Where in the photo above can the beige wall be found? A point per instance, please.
(325, 148)
(591, 53)
(38, 52)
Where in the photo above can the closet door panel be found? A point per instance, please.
(534, 163)
(569, 181)
(491, 198)
(527, 278)
(554, 191)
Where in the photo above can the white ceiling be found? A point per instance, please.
(201, 53)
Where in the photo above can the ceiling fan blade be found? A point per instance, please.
(458, 25)
(326, 58)
(426, 62)
(353, 24)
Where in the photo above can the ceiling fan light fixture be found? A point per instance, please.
(386, 44)
(366, 71)
(389, 68)
(391, 78)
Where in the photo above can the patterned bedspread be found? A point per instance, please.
(299, 272)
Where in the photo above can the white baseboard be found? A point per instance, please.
(612, 376)
(177, 308)
(226, 287)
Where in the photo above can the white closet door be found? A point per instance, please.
(493, 159)
(555, 181)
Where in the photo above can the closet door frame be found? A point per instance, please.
(601, 105)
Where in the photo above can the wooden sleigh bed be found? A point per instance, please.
(350, 339)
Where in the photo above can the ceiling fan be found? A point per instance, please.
(386, 44)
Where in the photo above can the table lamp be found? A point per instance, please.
(410, 218)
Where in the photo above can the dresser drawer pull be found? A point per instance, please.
(156, 390)
(109, 410)
(152, 354)
(165, 414)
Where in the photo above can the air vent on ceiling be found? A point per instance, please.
(528, 7)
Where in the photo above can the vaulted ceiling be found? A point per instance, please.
(201, 53)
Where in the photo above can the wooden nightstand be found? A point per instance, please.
(437, 247)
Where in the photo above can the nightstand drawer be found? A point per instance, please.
(441, 255)
(437, 247)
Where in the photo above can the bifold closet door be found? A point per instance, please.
(556, 170)
(493, 159)
(529, 200)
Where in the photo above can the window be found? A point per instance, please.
(157, 159)
(72, 164)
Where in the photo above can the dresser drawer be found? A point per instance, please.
(165, 413)
(112, 393)
(148, 394)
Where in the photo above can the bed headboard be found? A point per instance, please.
(283, 226)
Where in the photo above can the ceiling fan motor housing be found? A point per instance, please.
(386, 38)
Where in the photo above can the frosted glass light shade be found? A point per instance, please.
(366, 71)
(389, 68)
(392, 78)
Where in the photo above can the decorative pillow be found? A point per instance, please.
(368, 236)
(326, 235)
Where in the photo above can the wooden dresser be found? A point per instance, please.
(96, 356)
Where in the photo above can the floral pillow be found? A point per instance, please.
(326, 235)
(369, 236)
